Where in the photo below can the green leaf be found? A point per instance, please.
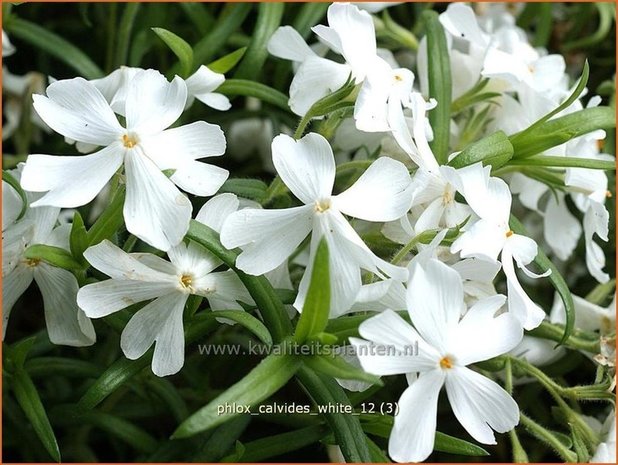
(274, 446)
(42, 367)
(226, 63)
(452, 445)
(222, 439)
(495, 150)
(55, 256)
(440, 87)
(248, 321)
(55, 45)
(316, 309)
(115, 376)
(566, 162)
(30, 402)
(110, 220)
(607, 14)
(337, 367)
(260, 91)
(252, 189)
(560, 130)
(124, 32)
(271, 309)
(231, 17)
(78, 238)
(544, 264)
(180, 47)
(268, 20)
(11, 181)
(263, 381)
(349, 435)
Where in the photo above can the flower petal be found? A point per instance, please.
(224, 286)
(199, 178)
(561, 229)
(106, 297)
(14, 284)
(480, 405)
(215, 100)
(203, 81)
(175, 147)
(70, 181)
(435, 301)
(76, 109)
(484, 239)
(460, 21)
(154, 209)
(306, 166)
(414, 430)
(158, 322)
(315, 78)
(153, 103)
(498, 333)
(398, 348)
(11, 205)
(62, 315)
(267, 237)
(288, 44)
(382, 193)
(214, 212)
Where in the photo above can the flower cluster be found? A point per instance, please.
(381, 169)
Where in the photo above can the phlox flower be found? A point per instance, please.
(154, 210)
(66, 323)
(447, 344)
(490, 236)
(307, 167)
(139, 277)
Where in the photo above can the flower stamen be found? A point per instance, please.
(32, 262)
(186, 282)
(446, 363)
(129, 141)
(509, 233)
(322, 205)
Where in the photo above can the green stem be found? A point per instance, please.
(124, 34)
(546, 436)
(406, 249)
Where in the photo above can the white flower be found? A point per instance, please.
(491, 235)
(375, 7)
(202, 84)
(66, 323)
(307, 167)
(140, 277)
(588, 316)
(7, 47)
(446, 345)
(350, 33)
(606, 451)
(154, 210)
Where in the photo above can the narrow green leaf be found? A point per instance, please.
(316, 309)
(581, 85)
(170, 395)
(230, 19)
(54, 256)
(376, 453)
(337, 367)
(309, 15)
(607, 14)
(110, 220)
(264, 380)
(115, 376)
(274, 446)
(268, 20)
(252, 189)
(180, 47)
(544, 264)
(55, 45)
(30, 402)
(452, 445)
(349, 435)
(78, 238)
(544, 25)
(222, 440)
(226, 63)
(440, 87)
(260, 91)
(560, 130)
(495, 150)
(248, 321)
(566, 162)
(124, 32)
(42, 367)
(199, 15)
(11, 181)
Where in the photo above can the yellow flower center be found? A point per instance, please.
(32, 262)
(398, 77)
(446, 363)
(509, 233)
(322, 205)
(129, 141)
(186, 281)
